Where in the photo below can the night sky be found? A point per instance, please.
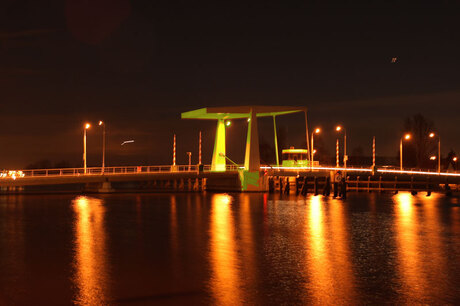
(138, 64)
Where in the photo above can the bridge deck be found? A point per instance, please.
(38, 177)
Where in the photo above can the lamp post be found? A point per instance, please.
(405, 137)
(87, 126)
(189, 160)
(199, 150)
(316, 131)
(337, 163)
(345, 157)
(101, 123)
(432, 135)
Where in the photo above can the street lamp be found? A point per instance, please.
(432, 135)
(87, 126)
(406, 137)
(454, 159)
(345, 157)
(101, 123)
(316, 131)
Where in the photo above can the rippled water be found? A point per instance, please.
(229, 249)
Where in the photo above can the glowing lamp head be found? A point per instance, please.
(431, 135)
(433, 157)
(87, 126)
(407, 136)
(338, 128)
(314, 151)
(454, 159)
(101, 122)
(317, 130)
(228, 123)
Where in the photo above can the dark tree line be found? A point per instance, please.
(47, 164)
(421, 146)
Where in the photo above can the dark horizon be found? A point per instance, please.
(138, 65)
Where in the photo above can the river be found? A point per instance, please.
(212, 248)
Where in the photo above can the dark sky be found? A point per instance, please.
(138, 64)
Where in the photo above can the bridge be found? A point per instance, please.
(196, 178)
(220, 176)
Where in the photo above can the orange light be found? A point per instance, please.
(87, 126)
(338, 128)
(407, 136)
(100, 122)
(314, 151)
(454, 159)
(317, 130)
(431, 135)
(432, 157)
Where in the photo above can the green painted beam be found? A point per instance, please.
(218, 156)
(239, 112)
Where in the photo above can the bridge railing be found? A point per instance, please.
(114, 170)
(14, 174)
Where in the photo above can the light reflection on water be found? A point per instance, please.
(91, 275)
(407, 232)
(421, 255)
(12, 246)
(318, 265)
(225, 279)
(328, 262)
(237, 249)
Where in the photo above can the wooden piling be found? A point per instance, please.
(343, 190)
(286, 186)
(304, 190)
(315, 186)
(395, 185)
(428, 187)
(327, 186)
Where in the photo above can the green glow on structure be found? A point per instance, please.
(218, 161)
(250, 177)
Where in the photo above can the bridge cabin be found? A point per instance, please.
(295, 158)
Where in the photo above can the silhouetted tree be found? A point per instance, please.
(47, 164)
(358, 151)
(267, 152)
(357, 157)
(322, 154)
(282, 138)
(449, 161)
(416, 152)
(63, 164)
(41, 164)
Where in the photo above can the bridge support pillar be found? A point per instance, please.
(218, 161)
(250, 177)
(105, 187)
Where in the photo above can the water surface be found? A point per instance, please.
(229, 249)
